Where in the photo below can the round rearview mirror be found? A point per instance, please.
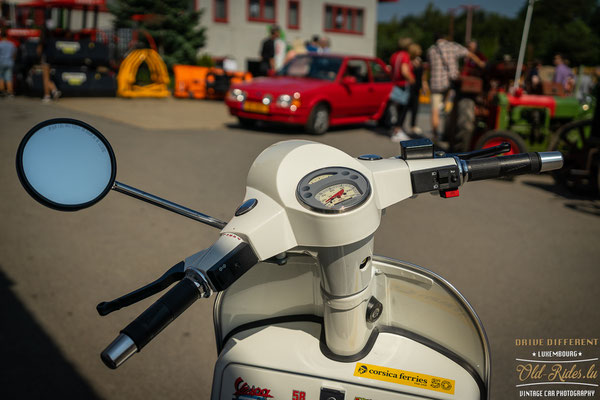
(66, 164)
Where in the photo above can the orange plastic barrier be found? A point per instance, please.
(205, 83)
(190, 81)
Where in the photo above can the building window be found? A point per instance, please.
(344, 19)
(261, 10)
(220, 10)
(293, 14)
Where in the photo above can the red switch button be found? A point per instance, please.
(449, 193)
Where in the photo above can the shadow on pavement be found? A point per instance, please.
(587, 203)
(33, 367)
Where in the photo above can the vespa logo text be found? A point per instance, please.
(243, 390)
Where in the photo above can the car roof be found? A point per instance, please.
(335, 55)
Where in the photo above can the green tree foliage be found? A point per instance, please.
(173, 24)
(567, 27)
(557, 26)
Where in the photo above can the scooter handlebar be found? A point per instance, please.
(517, 164)
(150, 323)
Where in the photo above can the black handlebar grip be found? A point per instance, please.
(160, 314)
(496, 167)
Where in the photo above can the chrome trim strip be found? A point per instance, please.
(168, 205)
(452, 290)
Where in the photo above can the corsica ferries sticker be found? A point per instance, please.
(405, 378)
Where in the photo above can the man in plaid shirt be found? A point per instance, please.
(443, 66)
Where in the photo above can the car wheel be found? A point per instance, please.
(580, 169)
(246, 122)
(390, 116)
(318, 121)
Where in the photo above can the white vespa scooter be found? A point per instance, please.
(304, 309)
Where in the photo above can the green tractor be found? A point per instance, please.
(484, 119)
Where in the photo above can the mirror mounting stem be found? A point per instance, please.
(168, 205)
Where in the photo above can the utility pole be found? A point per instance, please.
(469, 8)
(451, 12)
(523, 44)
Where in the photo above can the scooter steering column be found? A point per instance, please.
(346, 276)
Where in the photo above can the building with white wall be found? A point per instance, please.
(236, 28)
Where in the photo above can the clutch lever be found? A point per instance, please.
(483, 153)
(174, 274)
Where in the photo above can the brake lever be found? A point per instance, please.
(482, 153)
(174, 274)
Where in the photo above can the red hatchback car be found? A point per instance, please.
(317, 91)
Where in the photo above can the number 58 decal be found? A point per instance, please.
(298, 395)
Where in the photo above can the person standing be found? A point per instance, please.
(267, 51)
(443, 63)
(533, 81)
(403, 77)
(313, 45)
(562, 73)
(8, 53)
(42, 50)
(415, 51)
(280, 50)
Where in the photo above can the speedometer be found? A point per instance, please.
(333, 190)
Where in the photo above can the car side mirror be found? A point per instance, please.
(348, 80)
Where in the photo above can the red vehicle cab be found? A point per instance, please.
(317, 91)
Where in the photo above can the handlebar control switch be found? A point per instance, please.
(428, 180)
(416, 149)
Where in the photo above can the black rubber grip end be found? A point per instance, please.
(103, 309)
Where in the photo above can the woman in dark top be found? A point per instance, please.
(42, 50)
(415, 51)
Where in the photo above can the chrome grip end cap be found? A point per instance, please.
(551, 160)
(118, 351)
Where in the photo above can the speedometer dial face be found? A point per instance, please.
(333, 190)
(337, 194)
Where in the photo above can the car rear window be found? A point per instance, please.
(315, 67)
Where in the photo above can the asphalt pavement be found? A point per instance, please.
(523, 252)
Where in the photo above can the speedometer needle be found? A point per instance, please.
(338, 194)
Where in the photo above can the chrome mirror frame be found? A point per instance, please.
(39, 197)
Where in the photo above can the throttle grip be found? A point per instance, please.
(516, 164)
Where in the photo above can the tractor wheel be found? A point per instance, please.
(573, 141)
(318, 120)
(465, 125)
(494, 138)
(389, 118)
(246, 122)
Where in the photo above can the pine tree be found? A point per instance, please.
(173, 24)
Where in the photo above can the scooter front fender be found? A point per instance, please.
(427, 327)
